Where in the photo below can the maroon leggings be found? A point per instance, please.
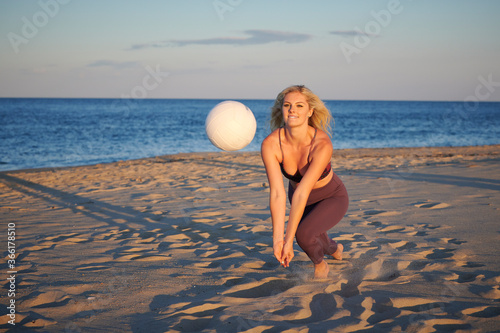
(325, 207)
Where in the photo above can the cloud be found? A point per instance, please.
(351, 33)
(114, 64)
(254, 37)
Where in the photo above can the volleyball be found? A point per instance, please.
(230, 126)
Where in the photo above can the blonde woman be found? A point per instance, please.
(300, 149)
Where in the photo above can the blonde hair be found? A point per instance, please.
(320, 118)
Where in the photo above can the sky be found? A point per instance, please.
(438, 50)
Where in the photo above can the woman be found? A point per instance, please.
(300, 149)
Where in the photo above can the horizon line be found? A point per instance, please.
(253, 99)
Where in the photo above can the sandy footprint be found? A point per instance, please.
(153, 197)
(30, 320)
(483, 312)
(362, 312)
(428, 226)
(383, 309)
(261, 265)
(382, 270)
(366, 200)
(357, 249)
(470, 264)
(392, 228)
(431, 205)
(381, 213)
(142, 257)
(452, 241)
(39, 247)
(75, 240)
(203, 310)
(59, 240)
(48, 299)
(417, 303)
(417, 265)
(440, 254)
(264, 288)
(441, 325)
(403, 245)
(422, 229)
(92, 268)
(206, 189)
(490, 292)
(207, 214)
(62, 237)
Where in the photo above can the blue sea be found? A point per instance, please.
(36, 133)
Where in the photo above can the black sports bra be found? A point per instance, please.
(297, 177)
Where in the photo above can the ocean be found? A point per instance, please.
(37, 133)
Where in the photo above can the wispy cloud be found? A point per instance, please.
(351, 33)
(114, 64)
(253, 37)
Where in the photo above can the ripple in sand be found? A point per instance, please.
(206, 189)
(206, 214)
(486, 291)
(381, 213)
(392, 228)
(483, 312)
(440, 254)
(92, 268)
(265, 289)
(49, 299)
(431, 205)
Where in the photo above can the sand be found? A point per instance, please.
(183, 244)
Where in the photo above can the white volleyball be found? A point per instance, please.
(230, 126)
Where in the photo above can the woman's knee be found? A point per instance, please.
(304, 236)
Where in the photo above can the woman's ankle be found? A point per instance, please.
(338, 253)
(321, 270)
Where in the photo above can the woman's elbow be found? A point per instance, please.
(300, 196)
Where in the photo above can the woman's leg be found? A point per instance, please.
(317, 220)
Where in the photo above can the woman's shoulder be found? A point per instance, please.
(322, 141)
(322, 135)
(270, 146)
(272, 138)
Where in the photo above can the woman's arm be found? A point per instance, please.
(277, 195)
(321, 156)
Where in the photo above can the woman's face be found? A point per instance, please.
(296, 109)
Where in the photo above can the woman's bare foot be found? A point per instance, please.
(321, 270)
(338, 254)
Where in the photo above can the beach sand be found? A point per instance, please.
(183, 243)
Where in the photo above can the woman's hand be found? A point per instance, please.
(287, 255)
(278, 250)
